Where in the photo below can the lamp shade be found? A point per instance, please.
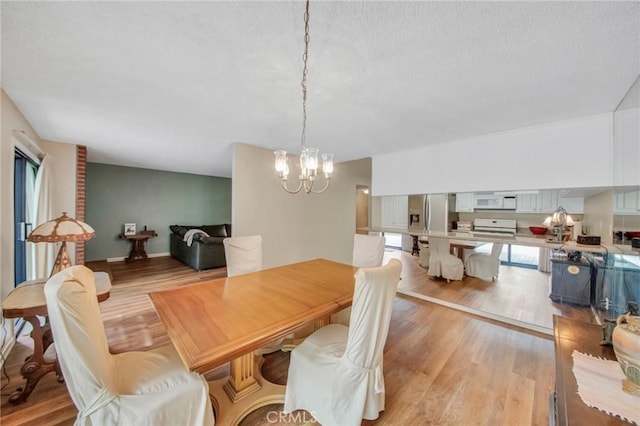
(63, 228)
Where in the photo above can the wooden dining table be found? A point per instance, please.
(214, 322)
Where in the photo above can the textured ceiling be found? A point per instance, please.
(171, 85)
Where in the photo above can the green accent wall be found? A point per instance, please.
(116, 195)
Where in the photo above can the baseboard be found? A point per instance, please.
(121, 259)
(477, 312)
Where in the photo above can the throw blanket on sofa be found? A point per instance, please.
(188, 236)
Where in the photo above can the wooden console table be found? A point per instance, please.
(567, 407)
(27, 301)
(137, 245)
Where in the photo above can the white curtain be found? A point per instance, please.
(44, 253)
(544, 260)
(30, 214)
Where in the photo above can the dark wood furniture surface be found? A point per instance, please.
(27, 301)
(584, 337)
(137, 244)
(457, 249)
(415, 248)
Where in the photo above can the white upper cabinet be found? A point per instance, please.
(395, 211)
(527, 203)
(627, 202)
(545, 201)
(548, 201)
(464, 202)
(573, 205)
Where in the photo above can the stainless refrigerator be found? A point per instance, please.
(436, 212)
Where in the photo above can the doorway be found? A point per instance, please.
(362, 209)
(24, 178)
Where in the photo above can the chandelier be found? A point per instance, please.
(308, 156)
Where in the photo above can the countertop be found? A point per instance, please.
(521, 238)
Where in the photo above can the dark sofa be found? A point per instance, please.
(204, 252)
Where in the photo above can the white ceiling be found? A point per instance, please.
(171, 85)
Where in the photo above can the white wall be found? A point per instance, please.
(626, 138)
(570, 154)
(64, 191)
(598, 215)
(294, 227)
(11, 119)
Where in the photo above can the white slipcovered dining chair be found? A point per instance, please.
(336, 373)
(484, 266)
(424, 255)
(131, 388)
(441, 262)
(368, 250)
(244, 255)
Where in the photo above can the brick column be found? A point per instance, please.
(81, 166)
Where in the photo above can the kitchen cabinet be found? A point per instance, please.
(464, 202)
(573, 205)
(548, 201)
(527, 203)
(545, 201)
(395, 211)
(572, 281)
(627, 202)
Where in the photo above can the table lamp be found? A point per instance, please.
(62, 229)
(559, 221)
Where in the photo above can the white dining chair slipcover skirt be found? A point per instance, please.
(131, 388)
(336, 373)
(441, 262)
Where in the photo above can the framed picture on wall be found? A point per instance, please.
(129, 229)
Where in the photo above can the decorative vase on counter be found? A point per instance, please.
(626, 345)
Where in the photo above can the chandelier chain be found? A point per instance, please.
(303, 83)
(309, 157)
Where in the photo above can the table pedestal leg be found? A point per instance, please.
(257, 391)
(242, 382)
(35, 366)
(137, 250)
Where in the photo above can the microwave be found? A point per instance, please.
(494, 202)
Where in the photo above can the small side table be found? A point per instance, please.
(137, 245)
(415, 248)
(27, 301)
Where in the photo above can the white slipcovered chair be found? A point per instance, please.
(484, 266)
(336, 373)
(368, 250)
(243, 254)
(131, 388)
(425, 254)
(441, 262)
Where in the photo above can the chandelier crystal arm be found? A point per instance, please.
(290, 191)
(326, 185)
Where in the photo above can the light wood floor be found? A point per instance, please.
(520, 294)
(441, 366)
